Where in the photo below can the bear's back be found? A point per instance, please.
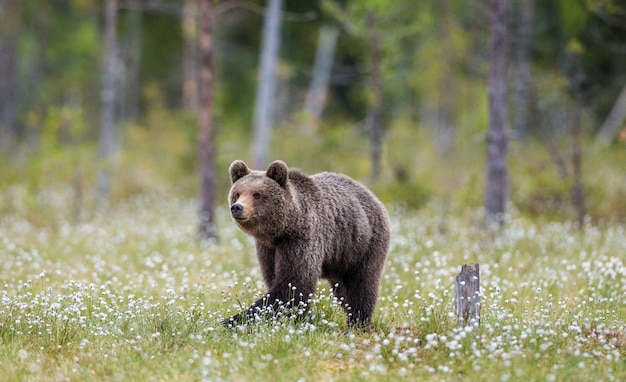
(355, 219)
(345, 193)
(341, 205)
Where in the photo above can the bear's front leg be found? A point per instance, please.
(261, 308)
(266, 256)
(295, 278)
(285, 297)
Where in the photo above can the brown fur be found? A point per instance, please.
(310, 227)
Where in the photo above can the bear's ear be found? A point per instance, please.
(238, 169)
(278, 171)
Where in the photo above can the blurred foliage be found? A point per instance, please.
(433, 53)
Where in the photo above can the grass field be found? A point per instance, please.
(131, 295)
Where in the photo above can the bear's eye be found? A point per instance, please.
(236, 196)
(256, 195)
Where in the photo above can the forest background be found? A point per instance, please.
(393, 93)
(119, 118)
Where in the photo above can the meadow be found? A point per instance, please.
(130, 294)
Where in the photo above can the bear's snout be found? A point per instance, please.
(236, 210)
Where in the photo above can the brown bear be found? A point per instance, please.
(309, 227)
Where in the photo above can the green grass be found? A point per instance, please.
(131, 295)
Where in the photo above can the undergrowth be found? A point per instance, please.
(131, 294)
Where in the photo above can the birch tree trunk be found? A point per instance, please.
(190, 55)
(9, 34)
(376, 116)
(576, 78)
(206, 128)
(266, 90)
(318, 90)
(107, 120)
(578, 190)
(497, 186)
(131, 85)
(614, 121)
(523, 78)
(446, 133)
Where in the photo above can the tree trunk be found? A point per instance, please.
(497, 186)
(107, 127)
(9, 34)
(614, 121)
(467, 296)
(316, 96)
(131, 84)
(523, 78)
(190, 55)
(376, 116)
(266, 90)
(576, 78)
(578, 192)
(206, 127)
(446, 133)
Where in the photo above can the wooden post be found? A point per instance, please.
(468, 294)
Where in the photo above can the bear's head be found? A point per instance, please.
(260, 201)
